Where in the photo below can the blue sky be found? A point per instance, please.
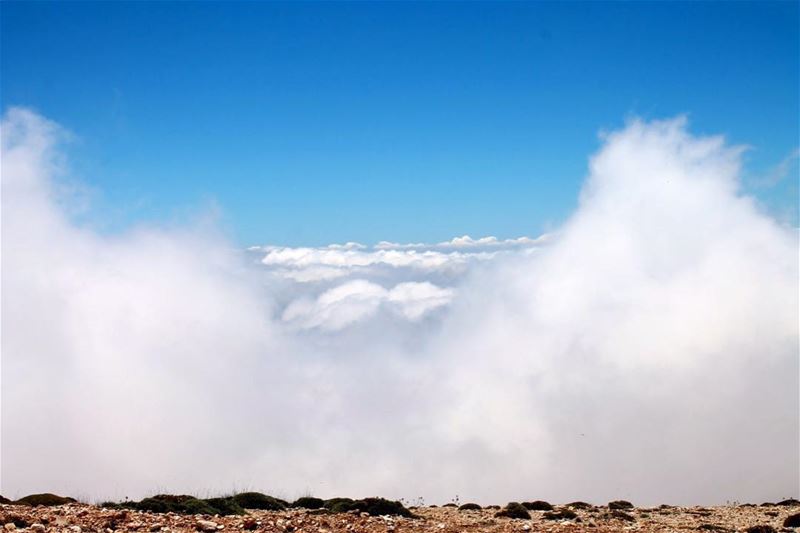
(310, 123)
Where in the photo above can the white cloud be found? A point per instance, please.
(357, 300)
(648, 349)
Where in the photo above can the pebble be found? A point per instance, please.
(10, 526)
(207, 525)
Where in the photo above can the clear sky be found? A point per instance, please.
(310, 123)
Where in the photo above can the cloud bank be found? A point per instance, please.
(647, 349)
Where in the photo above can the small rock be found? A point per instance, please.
(249, 524)
(75, 529)
(792, 521)
(206, 525)
(37, 527)
(10, 526)
(760, 529)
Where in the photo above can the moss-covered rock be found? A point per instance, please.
(45, 499)
(514, 510)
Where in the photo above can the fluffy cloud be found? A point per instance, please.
(356, 300)
(647, 349)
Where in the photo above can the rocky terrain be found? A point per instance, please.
(73, 517)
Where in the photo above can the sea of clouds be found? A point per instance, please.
(646, 349)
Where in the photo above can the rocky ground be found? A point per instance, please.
(78, 518)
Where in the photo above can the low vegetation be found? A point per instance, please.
(514, 510)
(45, 499)
(256, 500)
(560, 514)
(309, 502)
(537, 505)
(620, 504)
(470, 507)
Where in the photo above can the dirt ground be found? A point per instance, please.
(78, 518)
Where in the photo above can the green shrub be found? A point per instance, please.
(256, 500)
(381, 506)
(224, 506)
(449, 505)
(181, 504)
(173, 503)
(339, 505)
(372, 506)
(309, 502)
(538, 505)
(46, 499)
(4, 500)
(470, 507)
(514, 510)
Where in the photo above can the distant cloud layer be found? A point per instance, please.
(341, 285)
(647, 349)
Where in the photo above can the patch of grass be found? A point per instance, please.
(257, 500)
(514, 510)
(538, 505)
(470, 507)
(46, 499)
(309, 502)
